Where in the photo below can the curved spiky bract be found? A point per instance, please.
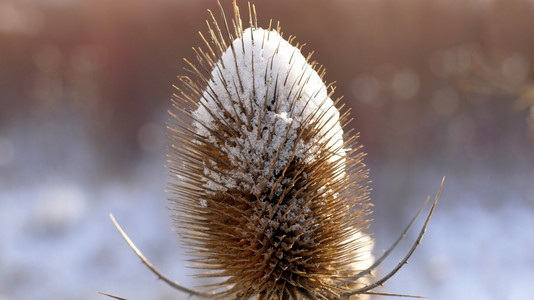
(269, 196)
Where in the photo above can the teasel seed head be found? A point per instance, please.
(269, 188)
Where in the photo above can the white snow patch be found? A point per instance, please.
(260, 66)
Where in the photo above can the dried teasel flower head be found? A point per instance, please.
(270, 192)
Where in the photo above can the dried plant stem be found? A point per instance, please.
(366, 289)
(160, 275)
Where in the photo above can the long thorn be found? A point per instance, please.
(111, 296)
(386, 254)
(170, 282)
(408, 255)
(394, 295)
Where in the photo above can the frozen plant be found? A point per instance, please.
(270, 191)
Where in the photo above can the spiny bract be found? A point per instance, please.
(268, 195)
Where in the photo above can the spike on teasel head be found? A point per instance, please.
(271, 192)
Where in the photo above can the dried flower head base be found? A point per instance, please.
(268, 195)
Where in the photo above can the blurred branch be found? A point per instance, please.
(484, 77)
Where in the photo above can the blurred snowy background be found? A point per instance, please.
(437, 87)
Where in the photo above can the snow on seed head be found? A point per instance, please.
(265, 81)
(270, 193)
